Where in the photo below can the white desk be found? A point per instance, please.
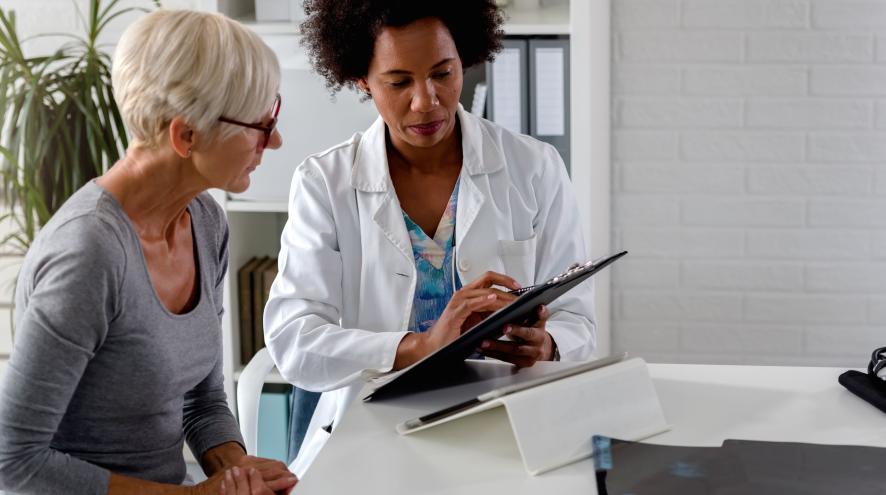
(705, 404)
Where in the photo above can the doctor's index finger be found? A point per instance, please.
(491, 278)
(467, 292)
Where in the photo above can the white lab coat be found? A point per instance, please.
(342, 299)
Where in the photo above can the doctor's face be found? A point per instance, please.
(415, 79)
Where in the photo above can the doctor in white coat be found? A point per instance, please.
(342, 306)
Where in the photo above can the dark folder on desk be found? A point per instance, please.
(738, 466)
(435, 370)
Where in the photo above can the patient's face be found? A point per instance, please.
(415, 79)
(227, 163)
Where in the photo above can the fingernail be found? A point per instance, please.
(485, 345)
(251, 471)
(236, 471)
(508, 330)
(517, 285)
(228, 475)
(490, 296)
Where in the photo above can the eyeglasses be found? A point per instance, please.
(878, 362)
(267, 129)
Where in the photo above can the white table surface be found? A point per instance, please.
(705, 404)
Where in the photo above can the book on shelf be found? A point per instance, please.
(244, 298)
(263, 277)
(254, 280)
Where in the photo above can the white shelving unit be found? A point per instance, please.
(552, 20)
(256, 206)
(255, 226)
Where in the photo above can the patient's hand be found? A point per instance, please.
(249, 481)
(249, 475)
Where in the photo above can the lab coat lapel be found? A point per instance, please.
(479, 158)
(372, 180)
(470, 201)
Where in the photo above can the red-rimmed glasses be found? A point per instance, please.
(267, 129)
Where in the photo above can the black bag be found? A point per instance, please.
(868, 385)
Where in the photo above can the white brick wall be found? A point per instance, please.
(744, 14)
(749, 180)
(742, 146)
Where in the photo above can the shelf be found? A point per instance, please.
(257, 206)
(552, 20)
(273, 377)
(270, 27)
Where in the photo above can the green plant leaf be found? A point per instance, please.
(63, 126)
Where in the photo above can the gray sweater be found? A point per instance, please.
(103, 378)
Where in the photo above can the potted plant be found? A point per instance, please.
(60, 125)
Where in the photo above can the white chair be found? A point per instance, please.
(249, 388)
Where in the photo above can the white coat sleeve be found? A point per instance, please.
(303, 314)
(559, 244)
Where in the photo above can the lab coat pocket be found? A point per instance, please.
(518, 258)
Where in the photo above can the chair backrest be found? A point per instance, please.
(249, 388)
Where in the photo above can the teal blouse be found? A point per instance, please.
(434, 260)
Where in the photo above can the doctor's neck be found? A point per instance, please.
(443, 155)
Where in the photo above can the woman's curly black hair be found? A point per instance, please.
(340, 34)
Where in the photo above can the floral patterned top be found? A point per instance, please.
(434, 267)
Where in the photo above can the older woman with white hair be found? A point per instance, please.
(118, 357)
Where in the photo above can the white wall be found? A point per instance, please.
(749, 180)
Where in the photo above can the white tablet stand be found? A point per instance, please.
(554, 423)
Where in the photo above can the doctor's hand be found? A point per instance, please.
(526, 345)
(468, 306)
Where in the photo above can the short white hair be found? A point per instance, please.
(196, 65)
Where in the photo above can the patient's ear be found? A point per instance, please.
(181, 137)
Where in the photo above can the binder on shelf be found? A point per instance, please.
(507, 91)
(273, 422)
(478, 103)
(259, 298)
(528, 90)
(549, 93)
(553, 418)
(244, 293)
(268, 274)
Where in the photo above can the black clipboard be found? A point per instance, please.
(437, 368)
